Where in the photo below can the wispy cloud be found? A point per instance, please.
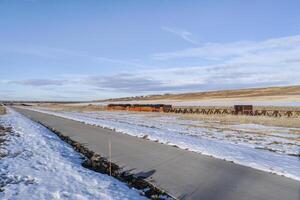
(124, 82)
(222, 51)
(186, 79)
(271, 62)
(183, 34)
(200, 78)
(53, 53)
(40, 82)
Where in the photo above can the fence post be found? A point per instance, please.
(109, 151)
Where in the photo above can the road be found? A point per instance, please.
(183, 174)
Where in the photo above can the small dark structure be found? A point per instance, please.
(243, 109)
(140, 107)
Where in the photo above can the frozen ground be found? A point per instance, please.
(39, 165)
(273, 149)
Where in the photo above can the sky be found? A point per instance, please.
(79, 50)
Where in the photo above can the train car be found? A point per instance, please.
(140, 107)
(243, 109)
(118, 106)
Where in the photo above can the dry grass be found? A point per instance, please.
(280, 108)
(230, 119)
(290, 93)
(2, 110)
(225, 119)
(75, 108)
(245, 93)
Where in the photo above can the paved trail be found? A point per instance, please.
(183, 174)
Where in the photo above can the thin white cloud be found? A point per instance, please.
(185, 79)
(221, 51)
(271, 62)
(64, 54)
(41, 82)
(183, 34)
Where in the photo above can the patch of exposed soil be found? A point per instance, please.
(2, 110)
(3, 133)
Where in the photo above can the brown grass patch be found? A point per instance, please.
(75, 108)
(242, 119)
(2, 110)
(224, 119)
(270, 93)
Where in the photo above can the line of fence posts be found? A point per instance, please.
(251, 112)
(235, 110)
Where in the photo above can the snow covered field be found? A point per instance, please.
(213, 102)
(272, 149)
(39, 165)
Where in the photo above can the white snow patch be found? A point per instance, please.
(209, 138)
(41, 166)
(212, 102)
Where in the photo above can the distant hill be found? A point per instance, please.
(289, 91)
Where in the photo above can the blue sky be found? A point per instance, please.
(91, 49)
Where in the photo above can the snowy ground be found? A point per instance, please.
(273, 149)
(213, 102)
(39, 165)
